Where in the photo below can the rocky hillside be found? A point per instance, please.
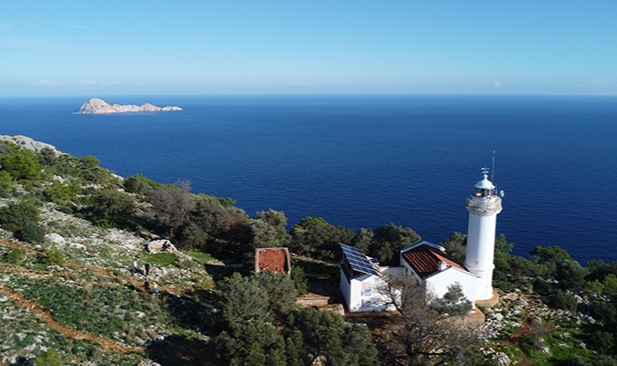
(74, 288)
(99, 106)
(74, 293)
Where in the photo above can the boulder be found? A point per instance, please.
(160, 246)
(56, 238)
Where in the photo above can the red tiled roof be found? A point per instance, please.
(424, 259)
(275, 260)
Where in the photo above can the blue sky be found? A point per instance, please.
(278, 47)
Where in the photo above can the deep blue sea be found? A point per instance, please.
(366, 161)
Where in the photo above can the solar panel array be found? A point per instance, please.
(358, 260)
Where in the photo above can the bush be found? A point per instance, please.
(570, 274)
(15, 255)
(602, 341)
(65, 209)
(112, 208)
(453, 302)
(609, 285)
(58, 192)
(15, 216)
(54, 256)
(6, 184)
(564, 301)
(49, 359)
(23, 164)
(139, 184)
(299, 279)
(541, 286)
(32, 233)
(603, 311)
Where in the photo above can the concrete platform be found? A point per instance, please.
(494, 300)
(476, 317)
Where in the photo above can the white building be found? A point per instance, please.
(435, 271)
(361, 276)
(429, 264)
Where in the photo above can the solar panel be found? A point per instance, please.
(358, 260)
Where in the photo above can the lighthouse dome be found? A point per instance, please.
(485, 184)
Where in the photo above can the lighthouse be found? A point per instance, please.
(483, 206)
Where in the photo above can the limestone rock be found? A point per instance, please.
(56, 238)
(502, 359)
(160, 246)
(99, 106)
(30, 144)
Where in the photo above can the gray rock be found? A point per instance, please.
(28, 143)
(56, 238)
(160, 246)
(77, 246)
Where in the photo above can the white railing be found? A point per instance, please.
(484, 204)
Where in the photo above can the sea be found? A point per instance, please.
(363, 161)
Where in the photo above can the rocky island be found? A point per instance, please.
(99, 106)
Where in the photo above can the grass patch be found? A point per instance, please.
(100, 310)
(201, 256)
(316, 270)
(163, 260)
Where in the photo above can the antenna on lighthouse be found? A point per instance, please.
(493, 169)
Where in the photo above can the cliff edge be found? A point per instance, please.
(99, 106)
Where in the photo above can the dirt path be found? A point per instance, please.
(19, 246)
(43, 315)
(46, 317)
(97, 270)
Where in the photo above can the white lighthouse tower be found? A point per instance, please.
(483, 206)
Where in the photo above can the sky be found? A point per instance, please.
(61, 48)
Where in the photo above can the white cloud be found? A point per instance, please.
(496, 83)
(595, 84)
(100, 82)
(49, 83)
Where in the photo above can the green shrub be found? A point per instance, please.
(609, 285)
(564, 301)
(32, 233)
(594, 287)
(602, 341)
(58, 192)
(541, 286)
(603, 311)
(112, 208)
(299, 279)
(139, 184)
(54, 256)
(6, 183)
(65, 209)
(49, 359)
(22, 164)
(15, 255)
(454, 301)
(15, 216)
(570, 274)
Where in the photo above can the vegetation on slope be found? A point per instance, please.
(77, 300)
